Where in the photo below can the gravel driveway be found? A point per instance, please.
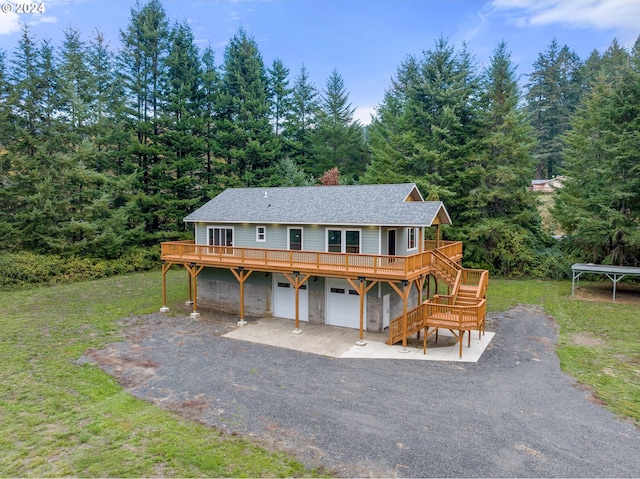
(512, 414)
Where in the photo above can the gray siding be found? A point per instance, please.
(314, 237)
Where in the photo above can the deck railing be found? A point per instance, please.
(308, 261)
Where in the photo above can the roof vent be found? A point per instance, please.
(265, 194)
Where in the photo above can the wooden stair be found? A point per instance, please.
(467, 303)
(467, 295)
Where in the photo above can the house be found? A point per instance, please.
(547, 186)
(351, 256)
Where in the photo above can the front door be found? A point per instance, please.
(391, 243)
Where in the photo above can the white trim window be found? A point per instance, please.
(261, 234)
(412, 239)
(343, 240)
(220, 236)
(294, 238)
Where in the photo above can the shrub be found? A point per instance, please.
(25, 269)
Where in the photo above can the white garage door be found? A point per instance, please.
(284, 299)
(343, 304)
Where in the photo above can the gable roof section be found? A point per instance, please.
(361, 205)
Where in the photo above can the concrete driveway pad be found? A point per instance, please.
(341, 342)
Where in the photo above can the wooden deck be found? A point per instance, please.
(380, 267)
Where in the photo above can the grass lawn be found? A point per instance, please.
(599, 342)
(62, 419)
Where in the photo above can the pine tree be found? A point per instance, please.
(25, 94)
(427, 128)
(598, 206)
(338, 140)
(554, 92)
(75, 87)
(246, 136)
(108, 126)
(142, 67)
(211, 87)
(8, 238)
(279, 94)
(300, 120)
(182, 138)
(392, 138)
(501, 221)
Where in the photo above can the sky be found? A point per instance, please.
(365, 41)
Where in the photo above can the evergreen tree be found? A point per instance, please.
(427, 128)
(501, 221)
(182, 124)
(211, 88)
(142, 66)
(554, 92)
(246, 135)
(25, 94)
(75, 87)
(108, 126)
(7, 233)
(300, 120)
(392, 138)
(337, 140)
(599, 206)
(286, 172)
(279, 94)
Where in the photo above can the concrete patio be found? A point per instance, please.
(339, 342)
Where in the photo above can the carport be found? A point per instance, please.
(614, 273)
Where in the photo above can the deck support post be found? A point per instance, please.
(404, 294)
(362, 288)
(405, 298)
(189, 302)
(165, 268)
(241, 275)
(297, 282)
(193, 270)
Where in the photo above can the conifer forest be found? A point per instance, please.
(106, 147)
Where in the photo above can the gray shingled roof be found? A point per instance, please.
(331, 205)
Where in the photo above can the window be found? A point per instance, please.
(352, 241)
(334, 241)
(343, 241)
(261, 233)
(412, 235)
(295, 239)
(220, 236)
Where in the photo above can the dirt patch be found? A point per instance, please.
(129, 361)
(603, 292)
(586, 339)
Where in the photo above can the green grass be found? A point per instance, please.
(599, 341)
(62, 419)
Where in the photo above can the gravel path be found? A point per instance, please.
(512, 414)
